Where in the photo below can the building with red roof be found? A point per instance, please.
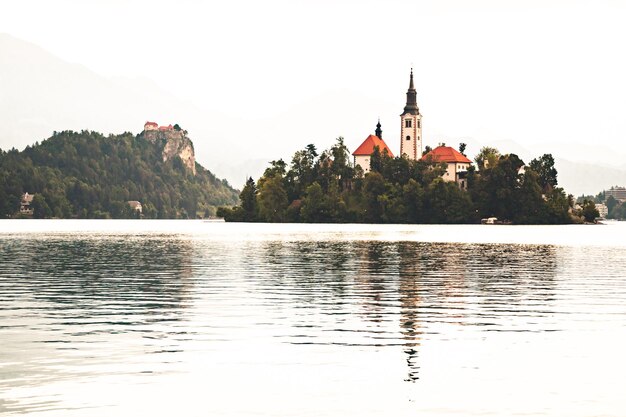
(363, 153)
(155, 126)
(150, 126)
(458, 164)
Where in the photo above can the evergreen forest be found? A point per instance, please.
(88, 175)
(325, 187)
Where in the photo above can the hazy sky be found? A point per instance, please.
(529, 71)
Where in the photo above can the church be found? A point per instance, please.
(411, 143)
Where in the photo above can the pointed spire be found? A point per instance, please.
(411, 98)
(378, 131)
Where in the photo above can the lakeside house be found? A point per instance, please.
(135, 206)
(26, 204)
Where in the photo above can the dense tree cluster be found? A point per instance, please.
(87, 175)
(616, 208)
(326, 188)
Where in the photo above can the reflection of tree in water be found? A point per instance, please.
(375, 271)
(89, 277)
(515, 284)
(313, 271)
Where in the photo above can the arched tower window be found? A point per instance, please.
(408, 138)
(408, 123)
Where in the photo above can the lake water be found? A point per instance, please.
(164, 318)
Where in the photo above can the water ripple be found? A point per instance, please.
(153, 310)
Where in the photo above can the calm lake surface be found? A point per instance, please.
(165, 318)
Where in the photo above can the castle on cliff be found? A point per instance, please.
(155, 126)
(174, 141)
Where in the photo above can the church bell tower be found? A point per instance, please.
(411, 129)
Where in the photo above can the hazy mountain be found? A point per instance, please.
(40, 93)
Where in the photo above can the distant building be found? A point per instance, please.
(151, 126)
(155, 126)
(603, 210)
(26, 204)
(135, 206)
(618, 193)
(456, 161)
(363, 154)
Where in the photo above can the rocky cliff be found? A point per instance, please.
(174, 143)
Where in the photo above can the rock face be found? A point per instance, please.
(175, 143)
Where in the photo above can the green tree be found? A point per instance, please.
(611, 202)
(413, 195)
(373, 195)
(278, 167)
(446, 203)
(589, 211)
(487, 158)
(544, 167)
(315, 205)
(248, 198)
(40, 207)
(495, 190)
(272, 199)
(528, 205)
(376, 160)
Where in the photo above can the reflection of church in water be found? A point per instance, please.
(378, 268)
(421, 276)
(409, 294)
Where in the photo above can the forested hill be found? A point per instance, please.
(87, 175)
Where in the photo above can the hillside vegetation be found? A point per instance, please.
(87, 175)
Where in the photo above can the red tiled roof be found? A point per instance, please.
(166, 127)
(446, 154)
(367, 147)
(151, 124)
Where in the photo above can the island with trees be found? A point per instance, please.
(326, 187)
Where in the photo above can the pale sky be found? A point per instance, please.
(534, 72)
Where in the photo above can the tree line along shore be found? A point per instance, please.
(326, 187)
(88, 175)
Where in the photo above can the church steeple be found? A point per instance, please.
(379, 131)
(411, 99)
(411, 127)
